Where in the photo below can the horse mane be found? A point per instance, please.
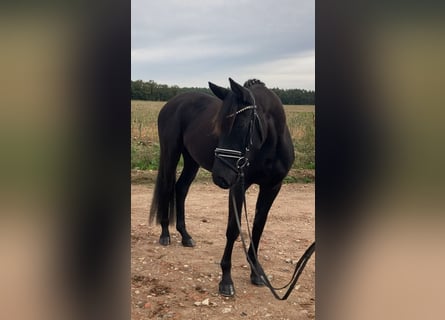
(271, 106)
(251, 82)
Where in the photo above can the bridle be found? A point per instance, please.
(242, 161)
(241, 157)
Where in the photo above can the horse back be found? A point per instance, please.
(187, 121)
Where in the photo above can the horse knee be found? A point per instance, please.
(232, 235)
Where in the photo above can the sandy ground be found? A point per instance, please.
(175, 282)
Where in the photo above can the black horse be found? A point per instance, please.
(243, 130)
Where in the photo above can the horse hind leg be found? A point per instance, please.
(163, 202)
(187, 176)
(167, 206)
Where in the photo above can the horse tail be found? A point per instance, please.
(163, 205)
(163, 202)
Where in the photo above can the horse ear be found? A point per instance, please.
(241, 92)
(218, 91)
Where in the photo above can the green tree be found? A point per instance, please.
(153, 91)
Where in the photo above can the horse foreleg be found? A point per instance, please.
(226, 287)
(265, 199)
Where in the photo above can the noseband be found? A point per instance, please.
(241, 157)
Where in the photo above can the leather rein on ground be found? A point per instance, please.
(258, 269)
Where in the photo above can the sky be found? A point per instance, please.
(190, 42)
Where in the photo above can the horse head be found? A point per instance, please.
(240, 131)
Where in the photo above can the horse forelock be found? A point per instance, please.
(223, 122)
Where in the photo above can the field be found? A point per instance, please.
(145, 142)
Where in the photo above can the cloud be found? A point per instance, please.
(188, 48)
(296, 71)
(190, 42)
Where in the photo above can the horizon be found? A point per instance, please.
(207, 87)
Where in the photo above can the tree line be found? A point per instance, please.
(152, 91)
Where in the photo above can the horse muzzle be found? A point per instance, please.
(221, 182)
(228, 166)
(226, 169)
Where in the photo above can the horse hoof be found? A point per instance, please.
(188, 242)
(165, 241)
(226, 290)
(256, 280)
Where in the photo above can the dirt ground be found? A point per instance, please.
(175, 282)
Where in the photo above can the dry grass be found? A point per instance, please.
(145, 142)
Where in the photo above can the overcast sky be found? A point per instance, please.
(191, 42)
